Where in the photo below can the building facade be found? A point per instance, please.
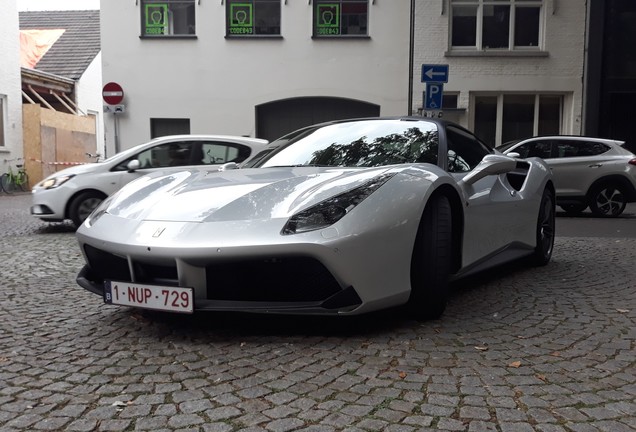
(515, 66)
(265, 67)
(10, 88)
(256, 67)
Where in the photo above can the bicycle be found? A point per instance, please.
(11, 181)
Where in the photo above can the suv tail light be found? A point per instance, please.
(632, 162)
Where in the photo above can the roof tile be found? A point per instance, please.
(74, 51)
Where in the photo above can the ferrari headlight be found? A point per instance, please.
(54, 182)
(99, 211)
(331, 210)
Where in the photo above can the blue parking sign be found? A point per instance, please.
(433, 96)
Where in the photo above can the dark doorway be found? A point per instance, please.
(610, 99)
(164, 126)
(275, 119)
(622, 125)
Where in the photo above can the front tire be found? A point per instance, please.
(545, 229)
(608, 200)
(83, 205)
(431, 260)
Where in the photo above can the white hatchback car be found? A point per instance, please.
(74, 192)
(593, 172)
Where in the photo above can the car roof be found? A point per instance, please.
(572, 138)
(198, 137)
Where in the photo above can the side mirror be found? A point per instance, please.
(133, 165)
(228, 166)
(491, 164)
(513, 155)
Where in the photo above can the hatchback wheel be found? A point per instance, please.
(608, 200)
(83, 205)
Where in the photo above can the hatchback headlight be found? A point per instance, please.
(52, 183)
(331, 210)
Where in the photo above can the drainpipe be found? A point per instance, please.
(411, 52)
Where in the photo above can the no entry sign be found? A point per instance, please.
(112, 93)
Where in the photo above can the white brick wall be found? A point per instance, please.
(10, 84)
(560, 72)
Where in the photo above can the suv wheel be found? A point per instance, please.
(607, 200)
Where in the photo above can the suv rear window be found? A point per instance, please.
(580, 148)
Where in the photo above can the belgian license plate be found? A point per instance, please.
(144, 296)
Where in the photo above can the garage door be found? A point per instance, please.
(275, 119)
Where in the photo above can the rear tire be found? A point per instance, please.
(431, 261)
(545, 229)
(608, 200)
(7, 183)
(83, 205)
(573, 208)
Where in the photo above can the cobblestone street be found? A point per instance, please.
(545, 349)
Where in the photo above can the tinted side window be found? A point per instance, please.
(541, 149)
(168, 155)
(571, 148)
(465, 151)
(592, 148)
(220, 153)
(164, 155)
(566, 149)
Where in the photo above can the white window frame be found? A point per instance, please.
(257, 12)
(168, 27)
(514, 4)
(500, 107)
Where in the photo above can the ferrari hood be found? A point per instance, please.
(244, 194)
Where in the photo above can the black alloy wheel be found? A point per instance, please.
(83, 205)
(608, 200)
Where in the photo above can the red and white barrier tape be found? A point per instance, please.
(58, 163)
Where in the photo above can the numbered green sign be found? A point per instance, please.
(241, 19)
(328, 19)
(156, 18)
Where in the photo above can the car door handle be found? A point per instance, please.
(595, 165)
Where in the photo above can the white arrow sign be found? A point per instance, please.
(431, 74)
(434, 73)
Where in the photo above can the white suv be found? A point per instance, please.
(74, 192)
(593, 172)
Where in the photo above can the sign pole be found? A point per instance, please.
(113, 94)
(116, 120)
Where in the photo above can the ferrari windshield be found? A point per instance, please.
(361, 143)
